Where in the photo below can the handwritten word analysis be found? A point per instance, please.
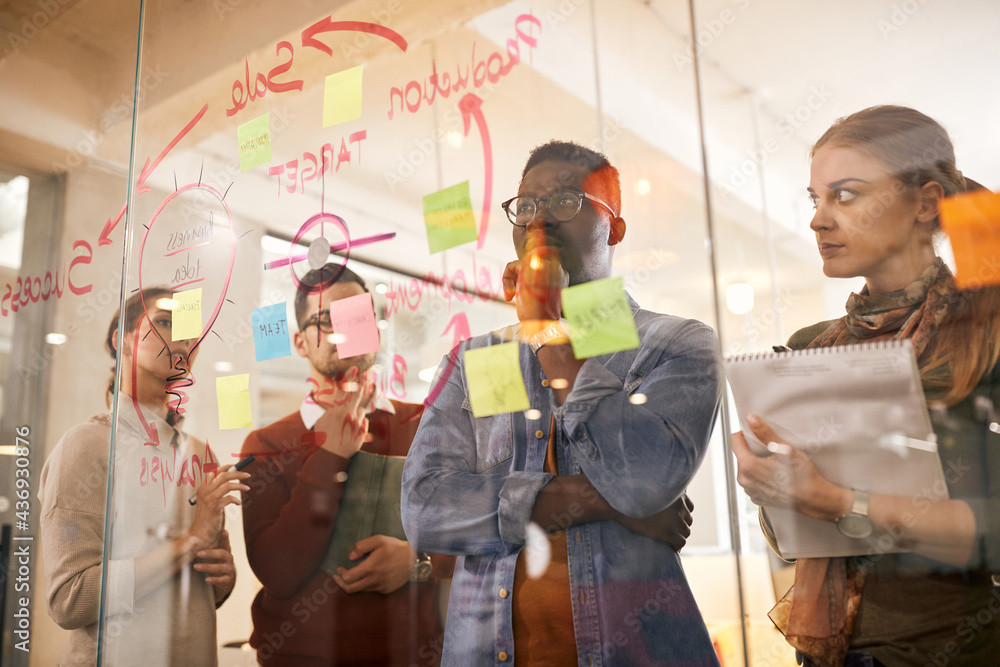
(154, 470)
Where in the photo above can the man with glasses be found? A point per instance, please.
(382, 611)
(567, 517)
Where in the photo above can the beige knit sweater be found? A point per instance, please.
(175, 623)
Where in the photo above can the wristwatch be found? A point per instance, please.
(554, 334)
(421, 570)
(856, 523)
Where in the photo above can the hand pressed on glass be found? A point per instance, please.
(535, 284)
(343, 426)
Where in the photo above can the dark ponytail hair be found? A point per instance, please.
(134, 310)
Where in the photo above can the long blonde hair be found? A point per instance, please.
(918, 150)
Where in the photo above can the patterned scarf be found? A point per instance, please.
(817, 614)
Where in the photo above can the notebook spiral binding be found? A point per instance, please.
(881, 345)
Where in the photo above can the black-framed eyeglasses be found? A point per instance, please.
(321, 320)
(563, 205)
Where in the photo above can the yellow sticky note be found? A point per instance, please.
(233, 392)
(493, 375)
(187, 315)
(449, 218)
(254, 142)
(972, 222)
(600, 318)
(342, 97)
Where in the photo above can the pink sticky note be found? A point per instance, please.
(354, 328)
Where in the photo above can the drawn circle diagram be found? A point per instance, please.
(320, 249)
(188, 239)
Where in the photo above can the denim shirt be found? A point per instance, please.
(470, 484)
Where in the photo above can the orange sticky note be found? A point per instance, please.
(972, 223)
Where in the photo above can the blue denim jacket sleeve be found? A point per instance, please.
(656, 445)
(459, 494)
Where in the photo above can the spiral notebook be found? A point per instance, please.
(859, 412)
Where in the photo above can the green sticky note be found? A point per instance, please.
(186, 318)
(233, 392)
(254, 142)
(600, 318)
(342, 97)
(493, 375)
(449, 218)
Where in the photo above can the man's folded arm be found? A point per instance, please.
(641, 456)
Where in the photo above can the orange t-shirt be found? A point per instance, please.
(542, 608)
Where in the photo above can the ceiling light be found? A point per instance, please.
(55, 338)
(454, 139)
(739, 298)
(427, 374)
(642, 187)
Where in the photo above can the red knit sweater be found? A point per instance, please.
(300, 616)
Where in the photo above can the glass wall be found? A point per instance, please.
(194, 163)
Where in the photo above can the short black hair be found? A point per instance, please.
(327, 275)
(605, 175)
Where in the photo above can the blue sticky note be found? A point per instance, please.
(270, 332)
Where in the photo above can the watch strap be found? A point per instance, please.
(554, 334)
(860, 504)
(422, 567)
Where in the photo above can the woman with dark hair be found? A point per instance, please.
(169, 563)
(877, 180)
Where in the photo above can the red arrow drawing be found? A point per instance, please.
(461, 324)
(104, 238)
(329, 25)
(472, 107)
(147, 168)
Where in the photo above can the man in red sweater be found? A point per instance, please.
(382, 611)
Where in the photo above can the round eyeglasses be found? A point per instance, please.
(563, 206)
(321, 320)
